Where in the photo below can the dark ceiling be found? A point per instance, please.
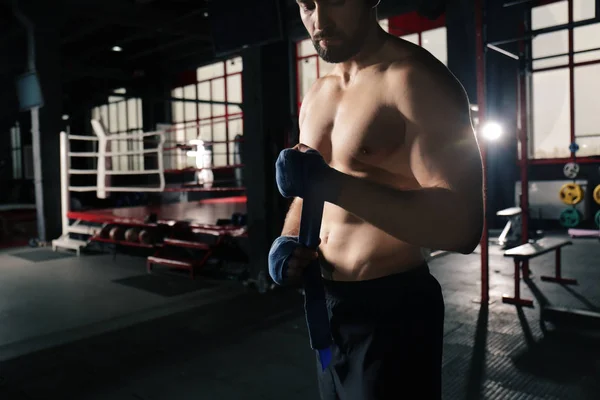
(158, 38)
(152, 33)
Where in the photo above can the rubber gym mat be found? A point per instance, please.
(41, 255)
(164, 285)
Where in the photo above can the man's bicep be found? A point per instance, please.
(449, 159)
(444, 149)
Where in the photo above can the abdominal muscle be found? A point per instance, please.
(353, 250)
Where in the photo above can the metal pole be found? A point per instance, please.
(35, 128)
(480, 64)
(528, 35)
(523, 130)
(571, 80)
(64, 181)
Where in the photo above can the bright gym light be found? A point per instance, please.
(491, 131)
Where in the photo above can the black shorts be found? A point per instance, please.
(388, 334)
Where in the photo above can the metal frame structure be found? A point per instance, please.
(523, 85)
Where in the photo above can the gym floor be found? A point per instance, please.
(98, 328)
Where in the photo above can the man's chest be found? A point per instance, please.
(357, 130)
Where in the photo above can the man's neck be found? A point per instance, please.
(367, 56)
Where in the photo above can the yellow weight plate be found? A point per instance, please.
(571, 193)
(597, 194)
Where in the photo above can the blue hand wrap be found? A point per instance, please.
(281, 251)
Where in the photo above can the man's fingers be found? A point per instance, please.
(302, 147)
(305, 253)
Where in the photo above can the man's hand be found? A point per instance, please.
(288, 259)
(301, 170)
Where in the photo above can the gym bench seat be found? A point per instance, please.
(525, 252)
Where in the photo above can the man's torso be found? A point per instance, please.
(359, 130)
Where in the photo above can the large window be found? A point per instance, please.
(215, 123)
(16, 152)
(557, 75)
(431, 35)
(123, 115)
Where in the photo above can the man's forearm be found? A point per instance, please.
(291, 225)
(432, 217)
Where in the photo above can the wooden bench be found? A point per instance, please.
(570, 318)
(521, 256)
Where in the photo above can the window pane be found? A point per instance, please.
(306, 48)
(413, 38)
(550, 44)
(235, 65)
(177, 111)
(122, 108)
(191, 109)
(206, 131)
(307, 74)
(587, 87)
(191, 132)
(219, 131)
(550, 15)
(218, 94)
(234, 92)
(132, 119)
(113, 125)
(104, 115)
(219, 154)
(434, 41)
(204, 94)
(17, 164)
(16, 136)
(235, 127)
(210, 71)
(140, 124)
(588, 146)
(551, 114)
(586, 38)
(583, 9)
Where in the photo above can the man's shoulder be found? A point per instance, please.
(423, 87)
(320, 84)
(413, 67)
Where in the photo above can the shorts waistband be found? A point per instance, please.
(395, 281)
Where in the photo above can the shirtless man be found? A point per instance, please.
(402, 172)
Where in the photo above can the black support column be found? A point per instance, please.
(266, 121)
(48, 67)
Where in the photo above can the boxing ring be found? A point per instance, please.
(182, 235)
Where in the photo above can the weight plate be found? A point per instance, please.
(570, 218)
(571, 170)
(597, 219)
(597, 194)
(571, 193)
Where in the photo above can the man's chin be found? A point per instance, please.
(334, 54)
(331, 57)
